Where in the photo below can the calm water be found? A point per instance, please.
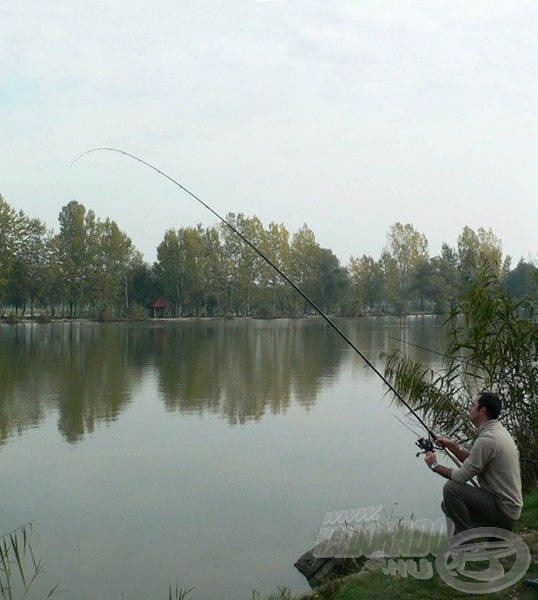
(205, 453)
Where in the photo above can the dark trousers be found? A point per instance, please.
(469, 507)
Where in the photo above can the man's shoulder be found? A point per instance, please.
(492, 433)
(499, 429)
(491, 427)
(496, 435)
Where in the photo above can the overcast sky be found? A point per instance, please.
(347, 115)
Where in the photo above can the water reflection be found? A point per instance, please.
(241, 369)
(237, 369)
(78, 369)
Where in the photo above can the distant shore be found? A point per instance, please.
(43, 319)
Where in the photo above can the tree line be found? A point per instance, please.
(90, 268)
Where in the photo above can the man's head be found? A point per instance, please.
(485, 406)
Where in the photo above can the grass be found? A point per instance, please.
(178, 593)
(19, 566)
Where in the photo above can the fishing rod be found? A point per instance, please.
(432, 436)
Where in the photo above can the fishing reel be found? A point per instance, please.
(425, 445)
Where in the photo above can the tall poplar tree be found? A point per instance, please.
(114, 254)
(76, 255)
(409, 250)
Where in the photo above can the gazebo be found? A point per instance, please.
(160, 308)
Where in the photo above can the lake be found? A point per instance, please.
(205, 453)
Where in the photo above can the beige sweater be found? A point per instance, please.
(494, 459)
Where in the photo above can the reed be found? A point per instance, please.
(19, 565)
(177, 592)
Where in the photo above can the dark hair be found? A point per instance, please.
(492, 402)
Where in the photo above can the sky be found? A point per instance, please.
(346, 115)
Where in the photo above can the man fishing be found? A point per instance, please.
(494, 460)
(493, 457)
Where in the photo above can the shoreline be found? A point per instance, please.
(40, 320)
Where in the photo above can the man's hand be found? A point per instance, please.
(444, 442)
(430, 459)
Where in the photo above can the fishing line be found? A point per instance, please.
(426, 349)
(407, 343)
(275, 267)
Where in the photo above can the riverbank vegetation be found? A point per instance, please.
(20, 568)
(90, 268)
(493, 345)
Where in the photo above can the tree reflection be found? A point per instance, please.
(88, 372)
(241, 369)
(80, 370)
(95, 384)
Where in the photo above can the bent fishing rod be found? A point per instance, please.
(422, 443)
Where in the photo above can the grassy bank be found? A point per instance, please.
(375, 585)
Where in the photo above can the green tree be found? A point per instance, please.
(409, 250)
(31, 269)
(275, 293)
(76, 248)
(180, 268)
(10, 231)
(391, 276)
(168, 268)
(332, 282)
(522, 282)
(480, 249)
(216, 271)
(114, 255)
(304, 262)
(242, 262)
(367, 284)
(142, 283)
(445, 279)
(422, 285)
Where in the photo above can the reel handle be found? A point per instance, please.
(425, 445)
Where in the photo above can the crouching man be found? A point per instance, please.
(494, 460)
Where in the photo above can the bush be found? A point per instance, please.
(137, 312)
